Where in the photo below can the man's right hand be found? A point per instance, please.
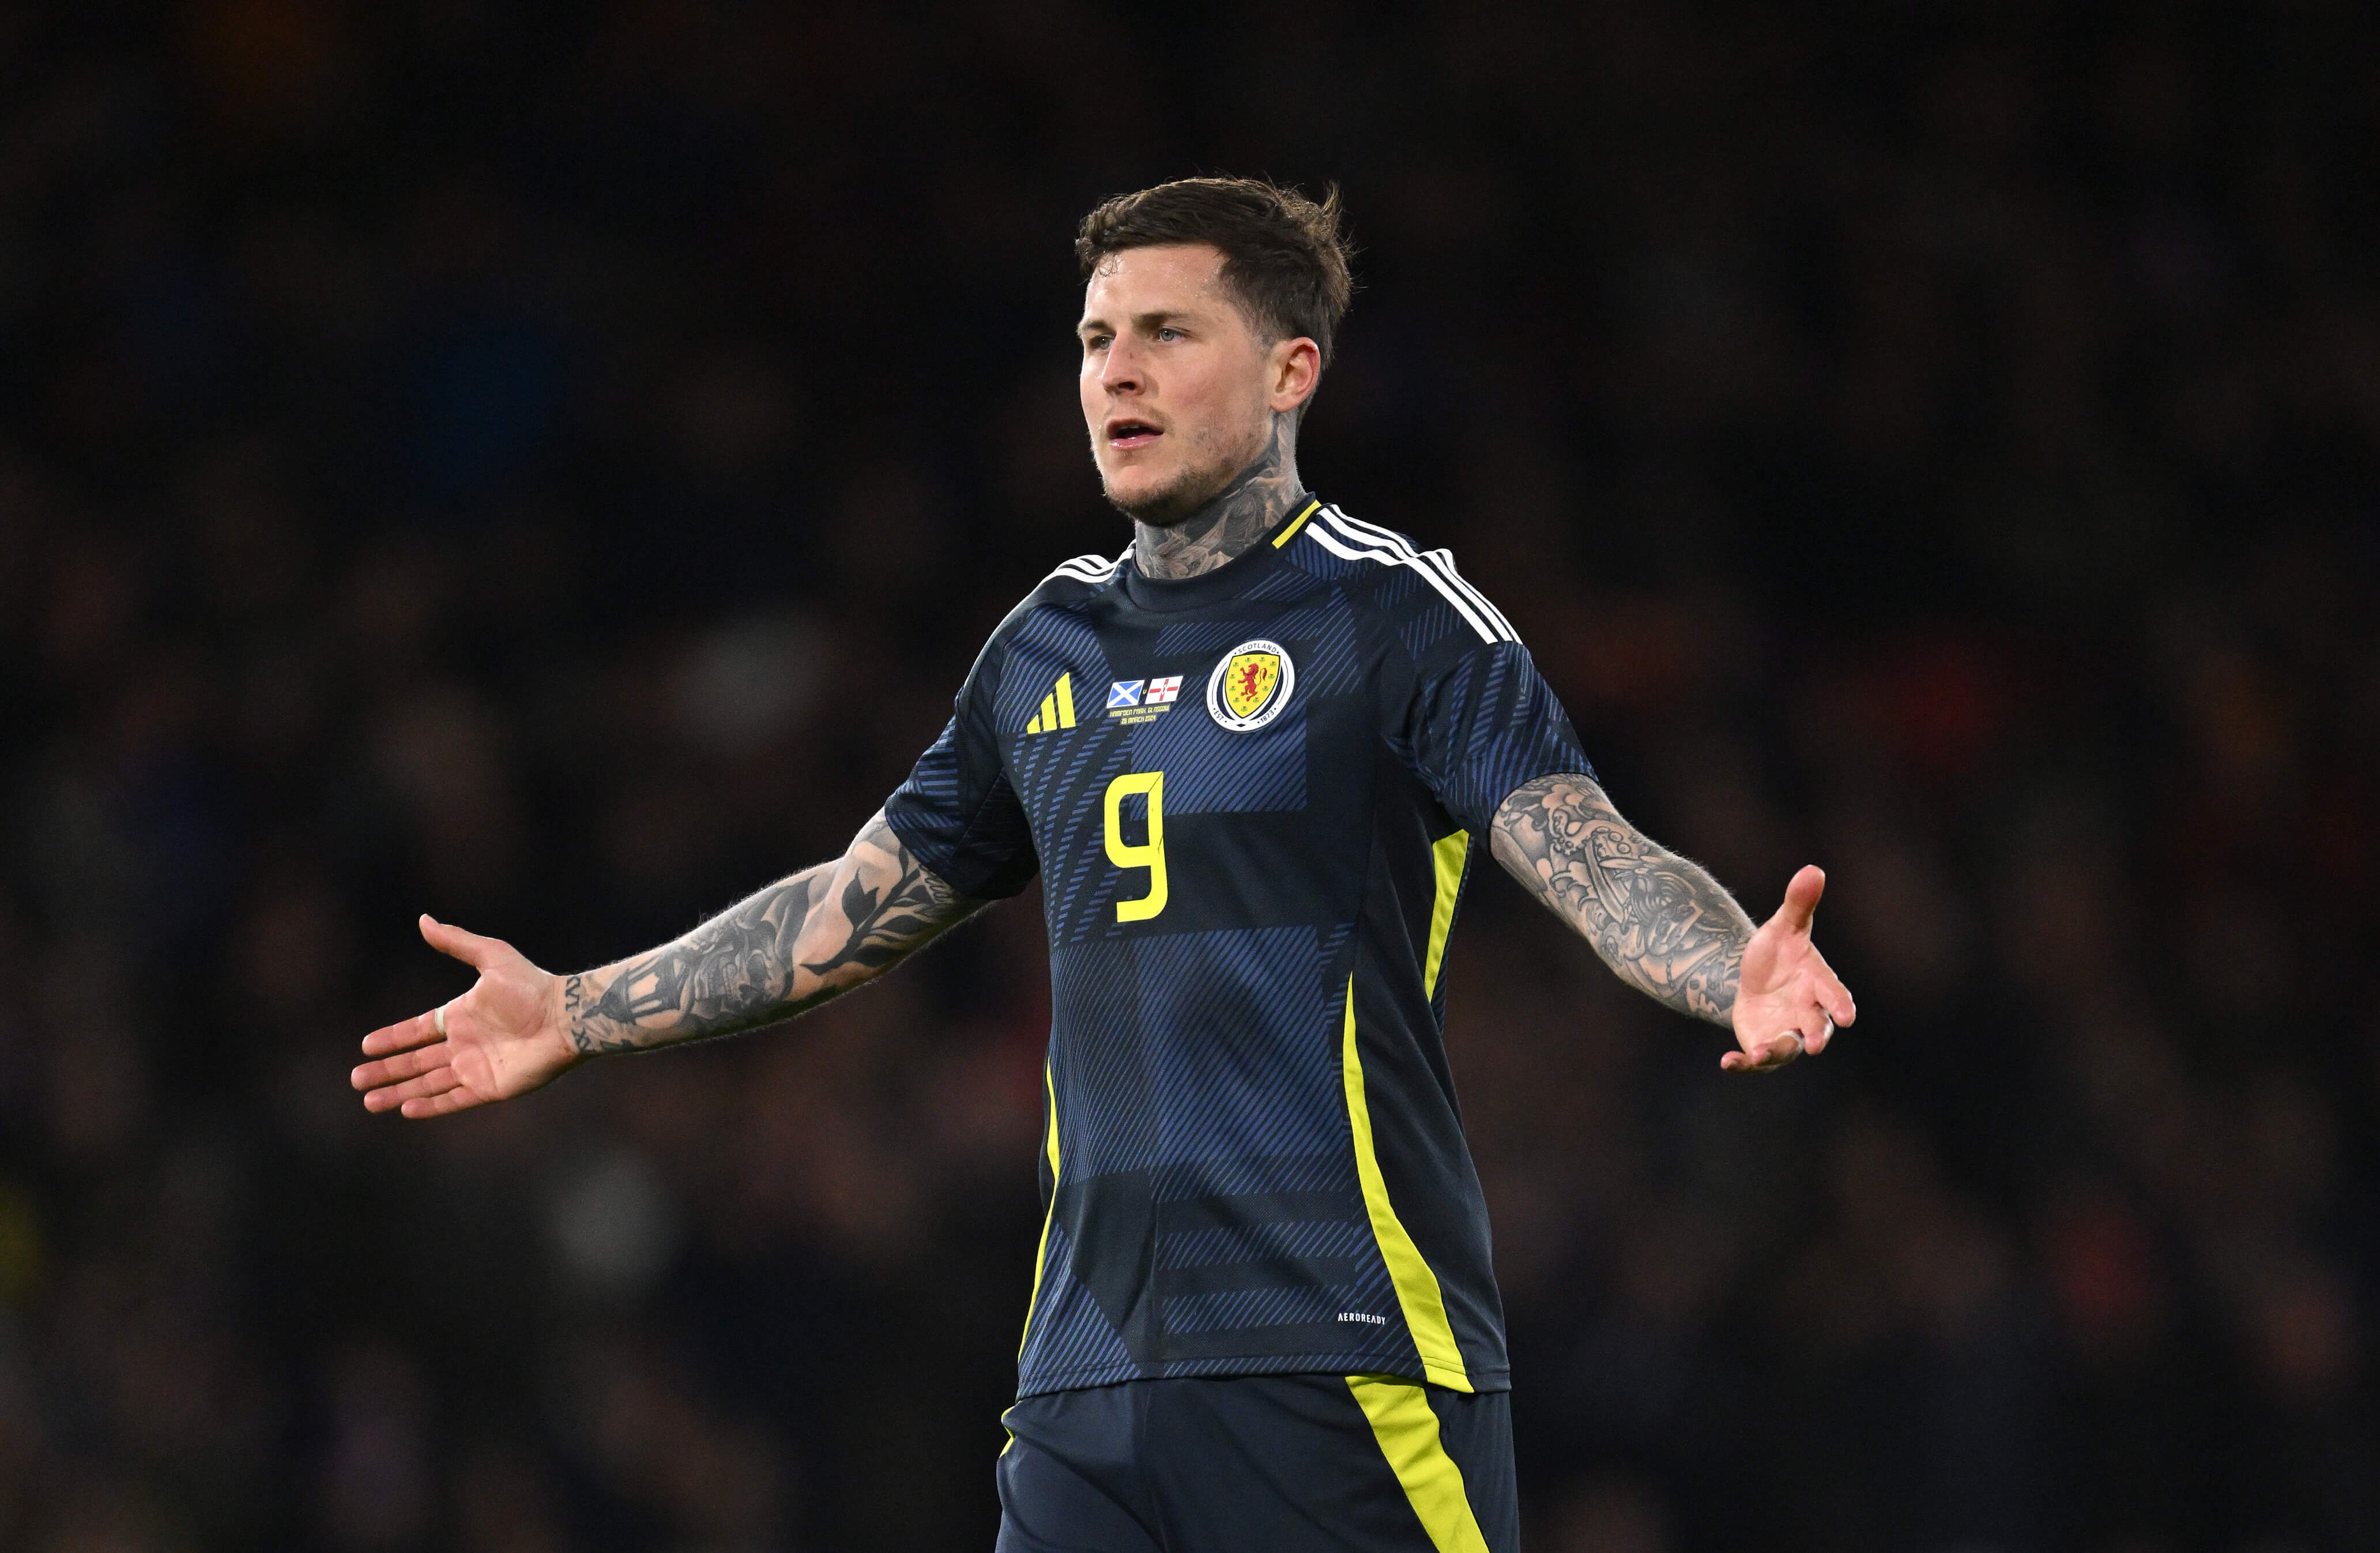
(505, 1036)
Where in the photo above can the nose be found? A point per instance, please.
(1121, 371)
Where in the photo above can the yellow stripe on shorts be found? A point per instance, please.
(1407, 1430)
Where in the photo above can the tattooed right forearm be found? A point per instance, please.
(789, 948)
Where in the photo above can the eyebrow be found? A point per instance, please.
(1156, 319)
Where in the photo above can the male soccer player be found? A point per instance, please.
(1250, 759)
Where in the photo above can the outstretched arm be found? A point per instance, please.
(1667, 928)
(785, 950)
(789, 948)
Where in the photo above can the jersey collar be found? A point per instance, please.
(1233, 577)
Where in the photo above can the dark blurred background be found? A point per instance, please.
(551, 467)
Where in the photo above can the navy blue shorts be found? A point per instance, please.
(1284, 1463)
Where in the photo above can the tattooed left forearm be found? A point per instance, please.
(788, 949)
(1657, 919)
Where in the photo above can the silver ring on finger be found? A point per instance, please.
(439, 1019)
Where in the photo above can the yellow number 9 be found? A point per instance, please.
(1152, 855)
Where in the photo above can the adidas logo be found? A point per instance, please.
(1057, 708)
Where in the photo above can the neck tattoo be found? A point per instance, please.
(1226, 526)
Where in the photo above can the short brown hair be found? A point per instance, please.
(1284, 257)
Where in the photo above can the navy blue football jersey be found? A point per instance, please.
(1253, 798)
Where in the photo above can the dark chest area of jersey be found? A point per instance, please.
(1184, 772)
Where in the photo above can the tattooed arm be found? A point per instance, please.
(789, 948)
(785, 950)
(1667, 928)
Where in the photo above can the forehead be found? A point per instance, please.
(1172, 278)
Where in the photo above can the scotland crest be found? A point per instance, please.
(1250, 685)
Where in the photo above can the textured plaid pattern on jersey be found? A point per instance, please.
(1251, 856)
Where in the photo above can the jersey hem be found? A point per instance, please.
(1483, 1378)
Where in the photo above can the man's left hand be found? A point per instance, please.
(1788, 1001)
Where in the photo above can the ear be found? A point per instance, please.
(1293, 368)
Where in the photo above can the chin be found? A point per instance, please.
(1161, 499)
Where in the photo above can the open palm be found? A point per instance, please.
(505, 1036)
(1788, 1001)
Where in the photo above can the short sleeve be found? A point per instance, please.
(1482, 722)
(957, 814)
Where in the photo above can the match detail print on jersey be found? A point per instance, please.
(1251, 685)
(1133, 701)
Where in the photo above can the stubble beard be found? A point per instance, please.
(1187, 491)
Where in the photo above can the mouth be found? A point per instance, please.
(1126, 433)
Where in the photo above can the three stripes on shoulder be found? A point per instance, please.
(1091, 569)
(1352, 540)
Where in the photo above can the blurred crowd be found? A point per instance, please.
(551, 467)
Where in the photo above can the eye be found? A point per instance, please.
(1096, 342)
(1169, 334)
